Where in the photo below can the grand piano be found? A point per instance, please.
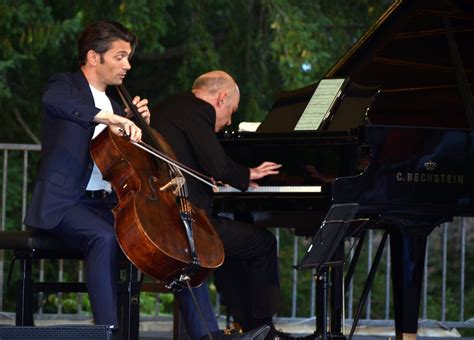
(407, 161)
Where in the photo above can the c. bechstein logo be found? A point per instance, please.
(429, 176)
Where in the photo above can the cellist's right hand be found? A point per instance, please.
(119, 125)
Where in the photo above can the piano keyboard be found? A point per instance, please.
(272, 189)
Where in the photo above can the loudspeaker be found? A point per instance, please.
(74, 332)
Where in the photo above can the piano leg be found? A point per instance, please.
(337, 280)
(320, 303)
(408, 257)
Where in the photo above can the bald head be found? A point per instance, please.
(221, 91)
(215, 81)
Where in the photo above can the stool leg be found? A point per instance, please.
(25, 290)
(129, 305)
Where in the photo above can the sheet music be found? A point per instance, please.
(320, 104)
(249, 126)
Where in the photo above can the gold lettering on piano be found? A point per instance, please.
(421, 177)
(430, 165)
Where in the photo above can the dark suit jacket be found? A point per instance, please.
(66, 164)
(187, 124)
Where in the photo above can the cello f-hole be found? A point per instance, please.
(154, 195)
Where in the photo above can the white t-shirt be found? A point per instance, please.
(101, 101)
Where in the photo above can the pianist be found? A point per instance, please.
(189, 121)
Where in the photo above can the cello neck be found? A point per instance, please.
(148, 136)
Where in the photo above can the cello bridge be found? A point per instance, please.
(174, 185)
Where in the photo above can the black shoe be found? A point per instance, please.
(258, 333)
(255, 334)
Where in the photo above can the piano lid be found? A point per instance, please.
(407, 54)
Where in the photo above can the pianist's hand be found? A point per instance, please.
(253, 185)
(264, 169)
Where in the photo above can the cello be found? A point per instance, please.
(157, 227)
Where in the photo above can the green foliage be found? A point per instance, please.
(267, 45)
(166, 303)
(30, 40)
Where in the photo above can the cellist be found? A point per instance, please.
(70, 198)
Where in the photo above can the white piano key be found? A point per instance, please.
(271, 189)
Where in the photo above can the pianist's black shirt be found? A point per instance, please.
(187, 124)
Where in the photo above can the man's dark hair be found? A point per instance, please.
(100, 35)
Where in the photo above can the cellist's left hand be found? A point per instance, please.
(142, 107)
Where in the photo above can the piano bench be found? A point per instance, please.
(31, 245)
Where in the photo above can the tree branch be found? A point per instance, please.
(25, 126)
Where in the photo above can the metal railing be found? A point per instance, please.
(445, 272)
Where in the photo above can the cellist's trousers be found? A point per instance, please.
(88, 226)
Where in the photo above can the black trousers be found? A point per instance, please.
(248, 280)
(89, 226)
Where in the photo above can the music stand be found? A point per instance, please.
(327, 239)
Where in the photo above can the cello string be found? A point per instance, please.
(183, 191)
(186, 194)
(174, 174)
(182, 198)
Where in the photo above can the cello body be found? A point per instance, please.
(148, 225)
